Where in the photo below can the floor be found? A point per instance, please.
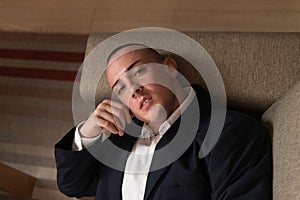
(36, 82)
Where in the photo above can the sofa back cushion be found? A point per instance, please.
(257, 68)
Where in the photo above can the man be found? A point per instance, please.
(238, 167)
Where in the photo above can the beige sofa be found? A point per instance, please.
(261, 73)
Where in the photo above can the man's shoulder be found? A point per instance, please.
(241, 129)
(234, 116)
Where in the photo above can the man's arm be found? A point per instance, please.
(77, 171)
(240, 165)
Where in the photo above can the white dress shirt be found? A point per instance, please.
(139, 160)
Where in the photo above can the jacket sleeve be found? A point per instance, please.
(77, 171)
(240, 165)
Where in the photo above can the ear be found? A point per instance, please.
(170, 62)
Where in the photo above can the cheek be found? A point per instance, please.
(156, 75)
(132, 105)
(160, 92)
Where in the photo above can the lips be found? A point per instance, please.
(145, 103)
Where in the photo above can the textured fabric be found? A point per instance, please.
(257, 68)
(283, 119)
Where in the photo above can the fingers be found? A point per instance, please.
(112, 116)
(107, 120)
(119, 107)
(109, 127)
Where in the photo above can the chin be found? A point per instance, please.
(143, 119)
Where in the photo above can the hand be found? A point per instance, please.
(108, 116)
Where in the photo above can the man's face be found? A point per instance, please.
(140, 86)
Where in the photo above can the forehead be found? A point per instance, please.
(119, 51)
(120, 62)
(130, 54)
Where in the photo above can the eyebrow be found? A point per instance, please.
(128, 68)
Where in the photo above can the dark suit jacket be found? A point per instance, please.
(238, 167)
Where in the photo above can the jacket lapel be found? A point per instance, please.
(155, 175)
(154, 180)
(181, 126)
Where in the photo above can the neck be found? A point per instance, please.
(181, 95)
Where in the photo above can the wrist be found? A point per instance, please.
(89, 132)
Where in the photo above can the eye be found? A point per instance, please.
(139, 72)
(120, 90)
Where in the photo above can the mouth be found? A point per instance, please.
(145, 103)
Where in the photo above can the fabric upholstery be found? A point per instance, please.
(283, 120)
(257, 68)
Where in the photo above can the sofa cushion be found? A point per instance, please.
(257, 68)
(283, 120)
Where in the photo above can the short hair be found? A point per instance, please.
(156, 55)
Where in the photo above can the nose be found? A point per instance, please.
(135, 91)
